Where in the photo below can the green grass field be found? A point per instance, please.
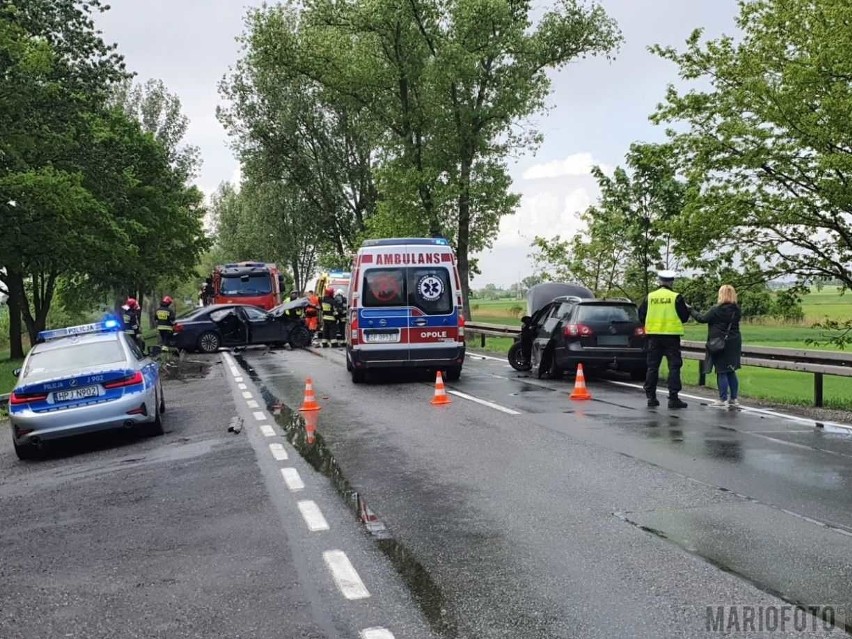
(780, 386)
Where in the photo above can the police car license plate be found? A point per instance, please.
(76, 393)
(389, 337)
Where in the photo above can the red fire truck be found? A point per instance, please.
(253, 283)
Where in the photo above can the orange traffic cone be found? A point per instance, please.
(580, 391)
(311, 421)
(310, 401)
(441, 396)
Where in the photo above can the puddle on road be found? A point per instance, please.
(300, 430)
(181, 370)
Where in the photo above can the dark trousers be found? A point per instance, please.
(165, 337)
(660, 346)
(329, 331)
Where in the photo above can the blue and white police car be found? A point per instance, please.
(84, 379)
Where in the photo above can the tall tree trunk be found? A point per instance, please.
(463, 241)
(15, 284)
(44, 286)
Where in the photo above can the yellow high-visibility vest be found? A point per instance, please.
(662, 318)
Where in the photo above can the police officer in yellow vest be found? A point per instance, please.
(664, 313)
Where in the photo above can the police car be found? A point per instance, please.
(84, 379)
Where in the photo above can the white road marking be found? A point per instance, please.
(313, 516)
(278, 452)
(259, 416)
(749, 409)
(252, 404)
(246, 395)
(344, 575)
(376, 633)
(234, 371)
(242, 386)
(238, 379)
(267, 430)
(484, 402)
(292, 479)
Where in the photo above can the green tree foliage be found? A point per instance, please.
(440, 88)
(765, 133)
(95, 203)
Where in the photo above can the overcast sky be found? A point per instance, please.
(598, 107)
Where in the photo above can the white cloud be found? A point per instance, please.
(576, 165)
(544, 214)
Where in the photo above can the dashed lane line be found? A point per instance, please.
(278, 452)
(312, 515)
(242, 386)
(267, 430)
(238, 380)
(502, 409)
(259, 416)
(252, 404)
(345, 575)
(376, 633)
(292, 479)
(247, 395)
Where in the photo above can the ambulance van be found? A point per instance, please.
(405, 308)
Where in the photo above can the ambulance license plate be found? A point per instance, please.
(388, 337)
(76, 393)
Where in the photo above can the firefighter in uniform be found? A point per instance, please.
(664, 313)
(165, 321)
(312, 313)
(329, 323)
(340, 317)
(131, 317)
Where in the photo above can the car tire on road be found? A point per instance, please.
(300, 337)
(208, 342)
(162, 400)
(516, 358)
(25, 451)
(453, 373)
(358, 376)
(155, 428)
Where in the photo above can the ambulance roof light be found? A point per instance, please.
(409, 241)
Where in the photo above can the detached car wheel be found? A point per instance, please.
(516, 358)
(208, 342)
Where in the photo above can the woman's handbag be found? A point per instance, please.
(717, 344)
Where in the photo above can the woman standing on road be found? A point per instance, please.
(724, 345)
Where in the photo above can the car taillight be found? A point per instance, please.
(16, 399)
(353, 327)
(461, 325)
(577, 330)
(130, 380)
(639, 331)
(177, 328)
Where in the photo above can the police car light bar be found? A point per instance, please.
(82, 329)
(411, 241)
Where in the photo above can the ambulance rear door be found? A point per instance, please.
(383, 314)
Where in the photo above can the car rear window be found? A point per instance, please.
(427, 288)
(384, 287)
(73, 357)
(607, 313)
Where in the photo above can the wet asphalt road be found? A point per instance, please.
(192, 534)
(538, 517)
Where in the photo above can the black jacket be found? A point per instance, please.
(165, 317)
(722, 319)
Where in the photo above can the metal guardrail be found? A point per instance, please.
(818, 363)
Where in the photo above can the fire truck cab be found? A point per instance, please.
(255, 283)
